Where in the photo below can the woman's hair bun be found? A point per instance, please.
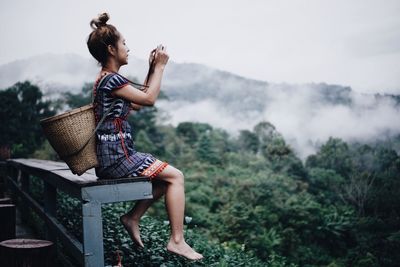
(101, 20)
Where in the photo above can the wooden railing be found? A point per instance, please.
(91, 192)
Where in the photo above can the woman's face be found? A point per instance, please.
(122, 51)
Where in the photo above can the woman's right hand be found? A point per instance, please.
(151, 57)
(161, 56)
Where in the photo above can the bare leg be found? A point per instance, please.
(175, 205)
(131, 219)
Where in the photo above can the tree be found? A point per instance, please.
(334, 155)
(266, 132)
(357, 191)
(80, 99)
(273, 147)
(190, 132)
(145, 120)
(206, 151)
(326, 184)
(248, 141)
(143, 142)
(21, 110)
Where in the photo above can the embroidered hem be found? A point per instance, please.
(154, 169)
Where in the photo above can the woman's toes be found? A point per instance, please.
(132, 227)
(183, 249)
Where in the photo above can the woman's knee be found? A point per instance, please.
(179, 177)
(172, 175)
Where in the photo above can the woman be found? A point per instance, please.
(115, 95)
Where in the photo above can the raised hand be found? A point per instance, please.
(161, 56)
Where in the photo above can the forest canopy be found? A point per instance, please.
(250, 198)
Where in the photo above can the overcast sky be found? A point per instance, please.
(346, 42)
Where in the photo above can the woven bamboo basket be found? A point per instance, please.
(68, 133)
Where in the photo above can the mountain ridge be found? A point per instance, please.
(305, 114)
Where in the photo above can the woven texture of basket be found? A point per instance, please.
(68, 132)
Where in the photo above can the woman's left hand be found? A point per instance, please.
(135, 106)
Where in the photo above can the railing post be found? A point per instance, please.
(12, 173)
(24, 178)
(3, 174)
(92, 233)
(50, 207)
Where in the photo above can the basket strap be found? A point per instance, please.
(94, 132)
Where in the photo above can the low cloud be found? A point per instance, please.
(302, 115)
(306, 120)
(207, 111)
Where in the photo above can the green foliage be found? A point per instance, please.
(21, 110)
(206, 151)
(155, 235)
(190, 132)
(273, 147)
(80, 99)
(248, 141)
(46, 152)
(143, 142)
(251, 199)
(145, 120)
(334, 155)
(365, 179)
(326, 184)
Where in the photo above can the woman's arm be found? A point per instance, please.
(146, 98)
(137, 107)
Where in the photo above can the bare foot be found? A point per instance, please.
(132, 227)
(183, 249)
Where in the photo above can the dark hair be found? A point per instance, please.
(101, 37)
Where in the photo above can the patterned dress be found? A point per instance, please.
(115, 147)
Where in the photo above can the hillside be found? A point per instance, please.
(306, 114)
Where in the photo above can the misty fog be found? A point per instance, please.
(300, 114)
(305, 114)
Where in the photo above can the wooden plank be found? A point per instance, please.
(69, 241)
(56, 167)
(51, 166)
(118, 181)
(59, 170)
(37, 163)
(118, 192)
(92, 180)
(53, 179)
